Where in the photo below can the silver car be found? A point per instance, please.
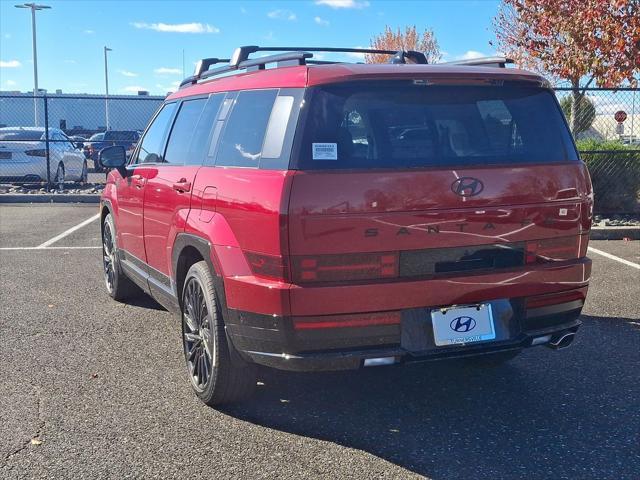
(23, 155)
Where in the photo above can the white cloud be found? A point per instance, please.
(88, 32)
(70, 61)
(134, 89)
(282, 15)
(167, 71)
(321, 21)
(127, 73)
(359, 56)
(195, 27)
(343, 3)
(10, 64)
(11, 83)
(470, 55)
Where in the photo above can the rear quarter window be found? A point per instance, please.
(241, 141)
(402, 125)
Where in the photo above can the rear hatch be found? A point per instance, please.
(405, 179)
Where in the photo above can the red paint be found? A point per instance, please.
(268, 226)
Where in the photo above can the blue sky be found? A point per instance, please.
(148, 37)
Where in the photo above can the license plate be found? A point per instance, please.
(5, 155)
(462, 325)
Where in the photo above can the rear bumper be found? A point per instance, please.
(274, 341)
(355, 359)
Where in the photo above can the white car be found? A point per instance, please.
(23, 156)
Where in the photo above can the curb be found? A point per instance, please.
(614, 233)
(49, 198)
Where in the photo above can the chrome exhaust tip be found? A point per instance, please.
(562, 341)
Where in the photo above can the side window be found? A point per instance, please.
(177, 152)
(151, 148)
(243, 136)
(199, 142)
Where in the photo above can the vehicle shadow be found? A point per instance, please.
(565, 414)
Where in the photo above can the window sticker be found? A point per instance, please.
(325, 151)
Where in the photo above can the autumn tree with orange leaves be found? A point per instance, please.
(410, 39)
(581, 41)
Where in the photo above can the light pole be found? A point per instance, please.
(34, 7)
(106, 86)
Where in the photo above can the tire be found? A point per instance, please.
(491, 359)
(216, 376)
(84, 176)
(59, 178)
(117, 283)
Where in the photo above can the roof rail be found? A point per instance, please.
(201, 67)
(294, 56)
(500, 62)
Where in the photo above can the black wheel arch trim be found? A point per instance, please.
(203, 246)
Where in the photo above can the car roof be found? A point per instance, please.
(31, 129)
(311, 75)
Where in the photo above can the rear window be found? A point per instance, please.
(401, 125)
(21, 135)
(122, 136)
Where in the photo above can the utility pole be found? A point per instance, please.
(106, 86)
(34, 7)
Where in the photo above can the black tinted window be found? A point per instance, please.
(182, 132)
(399, 125)
(241, 141)
(121, 136)
(19, 134)
(153, 141)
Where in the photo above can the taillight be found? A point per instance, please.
(344, 267)
(346, 321)
(554, 249)
(36, 153)
(555, 298)
(270, 266)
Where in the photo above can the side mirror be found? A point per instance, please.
(78, 145)
(114, 157)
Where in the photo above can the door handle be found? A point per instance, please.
(182, 186)
(138, 181)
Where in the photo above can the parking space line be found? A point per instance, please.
(50, 248)
(68, 232)
(613, 257)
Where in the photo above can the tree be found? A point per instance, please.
(575, 40)
(585, 113)
(409, 40)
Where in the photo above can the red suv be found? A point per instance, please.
(316, 216)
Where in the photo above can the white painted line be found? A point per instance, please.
(47, 248)
(613, 257)
(53, 240)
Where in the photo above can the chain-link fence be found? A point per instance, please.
(606, 126)
(53, 140)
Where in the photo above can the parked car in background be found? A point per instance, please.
(23, 156)
(78, 140)
(125, 138)
(90, 147)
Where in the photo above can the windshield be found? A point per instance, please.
(96, 136)
(402, 125)
(20, 135)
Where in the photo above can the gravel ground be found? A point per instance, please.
(90, 388)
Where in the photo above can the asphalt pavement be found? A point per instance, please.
(92, 388)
